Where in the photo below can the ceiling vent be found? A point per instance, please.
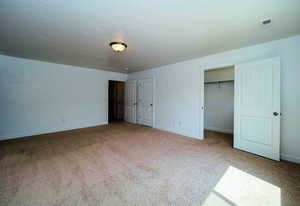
(266, 22)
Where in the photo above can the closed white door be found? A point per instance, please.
(145, 102)
(130, 101)
(257, 108)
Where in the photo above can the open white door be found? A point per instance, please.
(130, 101)
(257, 108)
(145, 102)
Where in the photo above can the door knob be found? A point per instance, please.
(275, 113)
(151, 105)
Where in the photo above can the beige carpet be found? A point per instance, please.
(122, 164)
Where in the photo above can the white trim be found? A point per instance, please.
(153, 100)
(215, 129)
(107, 100)
(290, 158)
(178, 133)
(48, 131)
(201, 123)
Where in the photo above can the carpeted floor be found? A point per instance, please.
(123, 164)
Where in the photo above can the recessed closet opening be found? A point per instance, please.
(219, 102)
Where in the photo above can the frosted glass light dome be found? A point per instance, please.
(118, 46)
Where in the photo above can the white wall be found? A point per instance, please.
(222, 74)
(39, 97)
(178, 90)
(219, 107)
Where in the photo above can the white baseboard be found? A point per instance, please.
(228, 131)
(179, 133)
(47, 131)
(290, 158)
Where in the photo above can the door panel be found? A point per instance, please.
(257, 96)
(256, 130)
(130, 101)
(145, 102)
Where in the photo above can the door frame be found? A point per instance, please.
(153, 98)
(201, 85)
(202, 73)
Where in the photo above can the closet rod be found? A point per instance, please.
(218, 82)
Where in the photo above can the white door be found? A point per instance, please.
(145, 102)
(257, 108)
(130, 101)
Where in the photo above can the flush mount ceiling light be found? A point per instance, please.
(118, 46)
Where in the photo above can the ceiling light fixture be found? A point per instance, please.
(118, 46)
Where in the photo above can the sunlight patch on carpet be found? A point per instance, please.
(238, 188)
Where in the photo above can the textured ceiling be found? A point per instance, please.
(157, 32)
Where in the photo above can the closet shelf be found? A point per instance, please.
(218, 82)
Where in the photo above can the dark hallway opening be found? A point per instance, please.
(116, 96)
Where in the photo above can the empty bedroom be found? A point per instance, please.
(182, 103)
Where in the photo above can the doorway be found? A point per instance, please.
(139, 98)
(256, 107)
(116, 97)
(219, 102)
